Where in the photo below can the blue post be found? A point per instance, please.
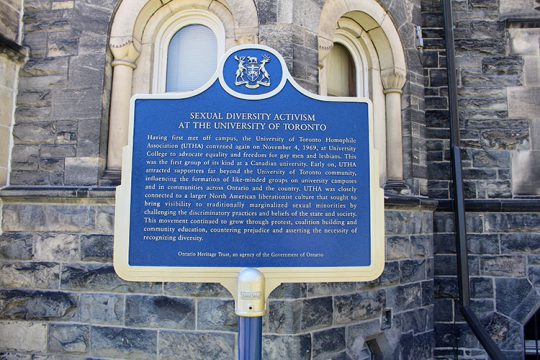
(249, 338)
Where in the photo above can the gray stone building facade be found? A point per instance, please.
(65, 67)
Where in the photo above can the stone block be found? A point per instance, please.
(215, 314)
(105, 220)
(360, 306)
(421, 246)
(57, 247)
(36, 42)
(444, 310)
(81, 171)
(504, 331)
(481, 287)
(62, 44)
(398, 247)
(317, 313)
(88, 17)
(287, 347)
(57, 151)
(160, 312)
(34, 133)
(9, 22)
(407, 297)
(192, 346)
(69, 339)
(531, 70)
(29, 177)
(102, 309)
(415, 321)
(96, 247)
(520, 243)
(284, 316)
(390, 275)
(37, 305)
(16, 246)
(325, 289)
(196, 290)
(54, 166)
(91, 43)
(502, 65)
(503, 266)
(266, 11)
(40, 217)
(23, 336)
(89, 138)
(525, 172)
(40, 275)
(512, 222)
(498, 139)
(524, 41)
(480, 80)
(47, 20)
(112, 342)
(289, 291)
(412, 270)
(76, 104)
(101, 277)
(46, 66)
(327, 342)
(86, 71)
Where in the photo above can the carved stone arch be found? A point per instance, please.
(135, 28)
(378, 36)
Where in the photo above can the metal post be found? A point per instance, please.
(249, 338)
(251, 307)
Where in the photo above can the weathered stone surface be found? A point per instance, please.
(415, 321)
(40, 217)
(160, 311)
(481, 287)
(23, 336)
(398, 247)
(504, 331)
(289, 291)
(34, 133)
(284, 316)
(57, 247)
(16, 245)
(76, 104)
(412, 270)
(33, 275)
(361, 306)
(214, 314)
(124, 343)
(503, 265)
(316, 313)
(327, 342)
(86, 71)
(194, 346)
(405, 297)
(287, 347)
(102, 309)
(96, 247)
(81, 170)
(69, 339)
(517, 222)
(516, 243)
(196, 290)
(101, 278)
(37, 305)
(105, 220)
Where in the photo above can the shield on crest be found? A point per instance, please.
(253, 71)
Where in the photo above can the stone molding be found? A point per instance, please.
(125, 53)
(393, 80)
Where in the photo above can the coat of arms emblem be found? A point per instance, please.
(251, 72)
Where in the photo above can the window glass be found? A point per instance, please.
(191, 58)
(341, 72)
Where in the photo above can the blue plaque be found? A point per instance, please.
(251, 171)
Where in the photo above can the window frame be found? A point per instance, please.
(167, 32)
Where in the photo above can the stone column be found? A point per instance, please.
(123, 66)
(393, 81)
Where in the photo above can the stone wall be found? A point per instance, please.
(11, 55)
(493, 42)
(61, 116)
(60, 295)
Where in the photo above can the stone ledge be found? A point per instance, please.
(521, 21)
(400, 201)
(12, 50)
(45, 193)
(494, 205)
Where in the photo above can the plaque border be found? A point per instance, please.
(227, 276)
